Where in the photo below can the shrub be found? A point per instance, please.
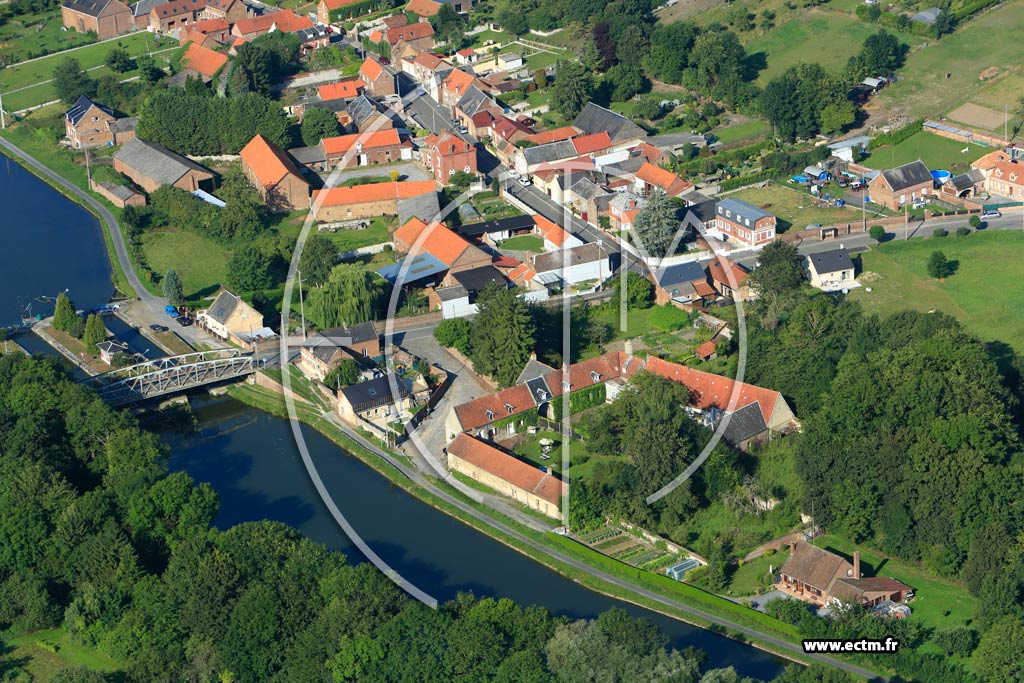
(877, 232)
(940, 232)
(669, 318)
(957, 641)
(963, 232)
(974, 221)
(454, 333)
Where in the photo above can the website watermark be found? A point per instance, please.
(847, 645)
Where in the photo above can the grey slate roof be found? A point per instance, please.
(112, 346)
(308, 155)
(907, 175)
(223, 306)
(962, 182)
(556, 260)
(476, 279)
(740, 211)
(361, 108)
(142, 8)
(474, 101)
(120, 191)
(92, 8)
(352, 334)
(426, 207)
(155, 161)
(125, 125)
(81, 106)
(680, 273)
(594, 119)
(452, 293)
(552, 151)
(375, 392)
(512, 223)
(539, 389)
(745, 423)
(533, 369)
(830, 261)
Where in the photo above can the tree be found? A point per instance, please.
(95, 332)
(119, 60)
(64, 315)
(454, 333)
(777, 279)
(70, 82)
(877, 233)
(172, 287)
(626, 81)
(79, 674)
(503, 334)
(639, 290)
(319, 123)
(149, 72)
(350, 295)
(319, 255)
(449, 27)
(974, 221)
(345, 374)
(657, 226)
(998, 654)
(938, 265)
(249, 269)
(881, 54)
(572, 90)
(648, 108)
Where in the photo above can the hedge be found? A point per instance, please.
(361, 8)
(898, 136)
(973, 8)
(749, 179)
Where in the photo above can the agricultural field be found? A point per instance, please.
(981, 294)
(795, 209)
(935, 151)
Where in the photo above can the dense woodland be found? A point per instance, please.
(97, 536)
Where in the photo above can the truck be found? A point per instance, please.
(171, 311)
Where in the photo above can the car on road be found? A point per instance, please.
(989, 215)
(183, 321)
(171, 311)
(158, 328)
(514, 174)
(525, 182)
(464, 130)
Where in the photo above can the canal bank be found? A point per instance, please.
(441, 567)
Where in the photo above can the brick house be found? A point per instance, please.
(1006, 178)
(897, 186)
(682, 284)
(744, 222)
(151, 166)
(365, 149)
(208, 32)
(446, 155)
(173, 15)
(379, 80)
(419, 36)
(730, 279)
(106, 18)
(230, 10)
(447, 246)
(274, 175)
(285, 21)
(203, 61)
(369, 201)
(87, 124)
(820, 577)
(228, 317)
(325, 350)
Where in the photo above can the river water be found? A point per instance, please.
(250, 458)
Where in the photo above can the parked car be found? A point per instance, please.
(512, 173)
(183, 321)
(989, 215)
(157, 328)
(525, 182)
(171, 311)
(464, 130)
(856, 186)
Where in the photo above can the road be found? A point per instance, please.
(154, 305)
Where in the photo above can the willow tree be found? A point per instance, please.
(350, 295)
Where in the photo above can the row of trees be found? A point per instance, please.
(97, 536)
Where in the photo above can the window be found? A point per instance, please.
(451, 171)
(566, 385)
(490, 414)
(510, 408)
(595, 376)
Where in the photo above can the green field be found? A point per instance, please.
(795, 209)
(984, 293)
(936, 152)
(993, 39)
(743, 131)
(826, 37)
(202, 264)
(45, 653)
(524, 243)
(35, 34)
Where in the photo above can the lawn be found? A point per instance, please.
(48, 652)
(497, 37)
(743, 131)
(938, 153)
(376, 233)
(524, 243)
(983, 294)
(753, 578)
(817, 35)
(937, 603)
(35, 34)
(993, 39)
(202, 264)
(795, 209)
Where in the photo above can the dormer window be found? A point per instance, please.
(510, 408)
(543, 395)
(566, 385)
(490, 414)
(595, 376)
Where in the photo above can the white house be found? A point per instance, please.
(572, 266)
(510, 61)
(831, 271)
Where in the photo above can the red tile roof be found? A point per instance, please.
(705, 350)
(423, 8)
(595, 142)
(203, 60)
(345, 90)
(387, 137)
(268, 162)
(508, 468)
(431, 61)
(371, 69)
(458, 81)
(286, 21)
(447, 144)
(719, 271)
(358, 194)
(667, 181)
(708, 389)
(444, 244)
(421, 29)
(473, 414)
(563, 133)
(552, 232)
(207, 26)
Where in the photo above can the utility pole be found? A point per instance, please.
(88, 169)
(3, 114)
(302, 305)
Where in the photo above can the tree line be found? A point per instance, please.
(98, 537)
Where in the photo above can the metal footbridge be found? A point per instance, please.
(171, 375)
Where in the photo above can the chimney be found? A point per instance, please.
(629, 349)
(533, 355)
(856, 564)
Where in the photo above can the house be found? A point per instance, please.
(965, 185)
(312, 39)
(509, 61)
(555, 236)
(229, 10)
(831, 271)
(230, 318)
(87, 124)
(494, 231)
(467, 56)
(623, 208)
(474, 102)
(285, 21)
(595, 119)
(506, 474)
(365, 115)
(730, 279)
(203, 61)
(456, 84)
(447, 154)
(572, 266)
(274, 175)
(423, 8)
(379, 401)
(706, 351)
(394, 21)
(1004, 175)
(415, 237)
(379, 79)
(365, 149)
(650, 178)
(169, 16)
(907, 183)
(325, 350)
(820, 577)
(419, 35)
(347, 89)
(106, 18)
(744, 222)
(377, 199)
(682, 284)
(209, 33)
(424, 66)
(150, 166)
(141, 10)
(110, 348)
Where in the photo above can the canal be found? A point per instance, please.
(250, 458)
